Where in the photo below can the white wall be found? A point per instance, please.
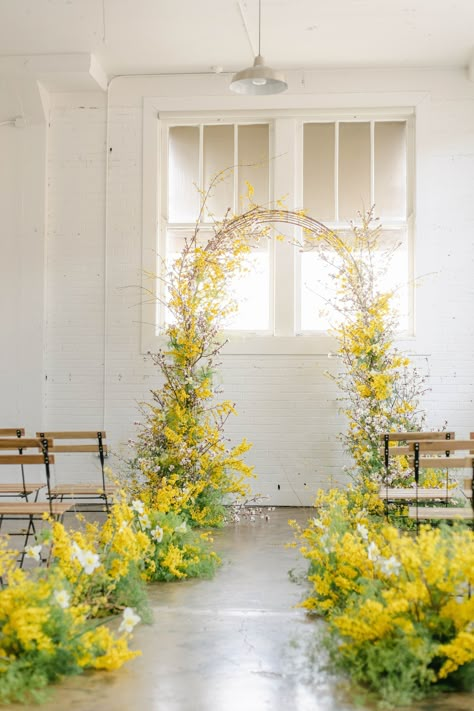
(96, 372)
(22, 272)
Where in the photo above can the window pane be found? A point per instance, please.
(317, 287)
(175, 240)
(251, 289)
(253, 163)
(252, 293)
(183, 156)
(318, 170)
(397, 277)
(390, 169)
(219, 155)
(354, 169)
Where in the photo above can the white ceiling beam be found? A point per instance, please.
(58, 72)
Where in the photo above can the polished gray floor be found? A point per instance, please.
(234, 643)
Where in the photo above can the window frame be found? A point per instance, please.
(285, 124)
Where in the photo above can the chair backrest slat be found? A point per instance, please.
(12, 432)
(416, 436)
(24, 459)
(16, 443)
(451, 445)
(444, 462)
(73, 434)
(76, 448)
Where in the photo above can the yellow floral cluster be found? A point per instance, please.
(54, 619)
(380, 389)
(183, 462)
(393, 601)
(48, 625)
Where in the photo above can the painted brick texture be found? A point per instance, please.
(96, 373)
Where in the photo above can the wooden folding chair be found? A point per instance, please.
(415, 493)
(436, 455)
(28, 511)
(17, 489)
(87, 495)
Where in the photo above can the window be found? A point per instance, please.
(348, 166)
(333, 166)
(237, 153)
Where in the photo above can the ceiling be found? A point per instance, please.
(185, 36)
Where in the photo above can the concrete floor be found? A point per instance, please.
(232, 643)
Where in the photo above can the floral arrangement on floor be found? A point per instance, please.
(60, 620)
(399, 608)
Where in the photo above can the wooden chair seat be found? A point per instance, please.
(35, 508)
(91, 489)
(13, 489)
(440, 513)
(410, 494)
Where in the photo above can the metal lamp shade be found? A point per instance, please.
(258, 79)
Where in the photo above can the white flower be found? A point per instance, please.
(181, 528)
(362, 531)
(325, 543)
(77, 552)
(130, 619)
(63, 598)
(89, 561)
(144, 520)
(318, 523)
(389, 566)
(138, 506)
(33, 552)
(372, 551)
(157, 534)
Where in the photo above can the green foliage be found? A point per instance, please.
(182, 552)
(398, 607)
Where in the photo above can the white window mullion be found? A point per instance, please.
(236, 202)
(298, 182)
(201, 161)
(336, 171)
(285, 276)
(372, 164)
(162, 225)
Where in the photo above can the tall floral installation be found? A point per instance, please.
(398, 608)
(183, 459)
(380, 388)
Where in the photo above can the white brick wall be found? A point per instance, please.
(96, 374)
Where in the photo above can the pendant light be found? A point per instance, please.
(259, 79)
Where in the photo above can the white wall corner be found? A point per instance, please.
(45, 98)
(98, 73)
